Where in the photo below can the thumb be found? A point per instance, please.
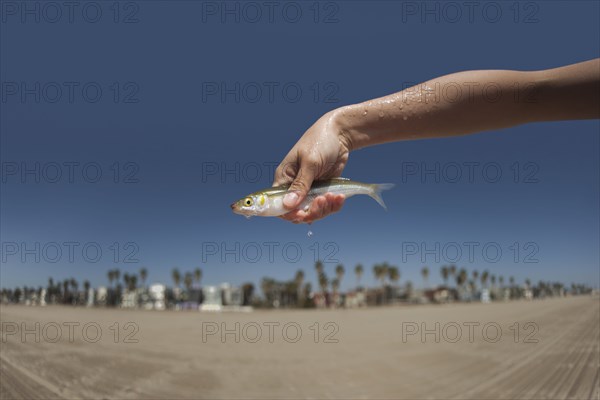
(300, 186)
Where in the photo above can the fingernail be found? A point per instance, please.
(290, 199)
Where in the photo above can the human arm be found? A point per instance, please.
(451, 105)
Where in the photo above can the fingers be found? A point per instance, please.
(321, 207)
(286, 171)
(301, 185)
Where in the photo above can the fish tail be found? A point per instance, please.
(376, 190)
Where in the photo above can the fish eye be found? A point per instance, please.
(248, 202)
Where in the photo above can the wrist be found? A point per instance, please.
(345, 124)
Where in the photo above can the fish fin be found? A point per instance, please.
(376, 192)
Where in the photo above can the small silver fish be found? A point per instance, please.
(269, 202)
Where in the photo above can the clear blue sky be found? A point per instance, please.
(175, 60)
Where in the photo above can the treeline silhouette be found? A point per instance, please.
(458, 285)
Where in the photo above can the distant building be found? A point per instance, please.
(445, 294)
(101, 296)
(237, 297)
(437, 295)
(355, 299)
(213, 300)
(191, 299)
(129, 299)
(90, 298)
(485, 296)
(157, 296)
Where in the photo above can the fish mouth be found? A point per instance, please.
(235, 207)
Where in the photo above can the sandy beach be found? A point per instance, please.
(516, 350)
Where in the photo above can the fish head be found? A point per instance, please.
(251, 205)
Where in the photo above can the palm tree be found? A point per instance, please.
(542, 287)
(323, 282)
(445, 271)
(394, 275)
(306, 291)
(321, 277)
(188, 280)
(197, 275)
(50, 289)
(143, 276)
(528, 283)
(335, 285)
(452, 270)
(377, 271)
(86, 287)
(475, 274)
(266, 286)
(493, 280)
(358, 271)
(385, 267)
(501, 281)
(425, 274)
(339, 273)
(126, 280)
(408, 289)
(299, 277)
(319, 267)
(132, 282)
(111, 277)
(176, 276)
(65, 289)
(247, 291)
(513, 290)
(558, 288)
(484, 278)
(461, 278)
(298, 280)
(472, 285)
(117, 275)
(290, 291)
(381, 272)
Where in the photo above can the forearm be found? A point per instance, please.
(474, 101)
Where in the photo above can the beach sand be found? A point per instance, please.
(339, 354)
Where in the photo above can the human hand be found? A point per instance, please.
(321, 153)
